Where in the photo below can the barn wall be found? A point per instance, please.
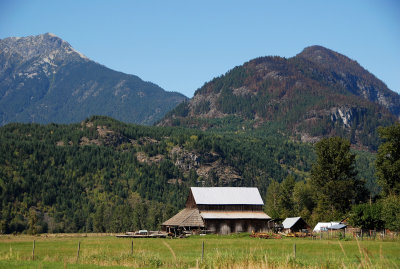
(190, 202)
(221, 226)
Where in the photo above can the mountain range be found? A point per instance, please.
(317, 93)
(104, 175)
(43, 80)
(314, 94)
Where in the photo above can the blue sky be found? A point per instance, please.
(180, 45)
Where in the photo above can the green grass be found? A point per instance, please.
(236, 251)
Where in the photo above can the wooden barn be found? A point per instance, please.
(221, 210)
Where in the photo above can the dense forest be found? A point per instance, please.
(102, 175)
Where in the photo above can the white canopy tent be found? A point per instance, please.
(323, 226)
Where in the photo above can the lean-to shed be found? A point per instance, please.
(221, 210)
(295, 224)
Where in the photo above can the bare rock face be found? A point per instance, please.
(207, 166)
(46, 45)
(143, 158)
(34, 56)
(343, 114)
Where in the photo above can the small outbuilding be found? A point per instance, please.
(324, 226)
(221, 210)
(295, 224)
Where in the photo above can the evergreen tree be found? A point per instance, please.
(303, 198)
(286, 202)
(333, 178)
(272, 199)
(391, 212)
(367, 216)
(388, 160)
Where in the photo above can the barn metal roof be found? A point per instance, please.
(337, 226)
(289, 222)
(233, 215)
(226, 196)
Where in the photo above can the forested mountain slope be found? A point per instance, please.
(105, 175)
(43, 80)
(317, 93)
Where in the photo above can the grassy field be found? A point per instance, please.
(235, 251)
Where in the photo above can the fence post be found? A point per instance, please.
(202, 252)
(294, 251)
(132, 248)
(79, 248)
(33, 250)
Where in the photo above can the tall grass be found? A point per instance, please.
(236, 251)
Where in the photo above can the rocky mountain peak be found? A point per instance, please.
(43, 45)
(330, 59)
(319, 54)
